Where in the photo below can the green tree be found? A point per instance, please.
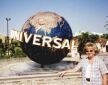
(105, 36)
(2, 49)
(15, 49)
(84, 38)
(19, 52)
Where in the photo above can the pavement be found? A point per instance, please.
(23, 71)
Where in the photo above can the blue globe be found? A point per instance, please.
(46, 24)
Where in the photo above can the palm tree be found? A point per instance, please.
(106, 25)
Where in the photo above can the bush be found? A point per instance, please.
(18, 52)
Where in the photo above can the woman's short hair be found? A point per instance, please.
(90, 44)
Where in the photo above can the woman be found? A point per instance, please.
(94, 71)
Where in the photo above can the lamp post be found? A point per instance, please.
(8, 19)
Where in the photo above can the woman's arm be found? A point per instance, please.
(62, 73)
(104, 79)
(104, 72)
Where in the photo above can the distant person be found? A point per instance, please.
(94, 70)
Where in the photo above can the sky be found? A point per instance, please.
(82, 15)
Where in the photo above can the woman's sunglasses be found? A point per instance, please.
(89, 50)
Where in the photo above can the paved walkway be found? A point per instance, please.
(43, 76)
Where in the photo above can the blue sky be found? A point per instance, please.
(82, 15)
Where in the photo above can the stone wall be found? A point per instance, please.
(46, 79)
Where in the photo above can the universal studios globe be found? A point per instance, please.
(46, 24)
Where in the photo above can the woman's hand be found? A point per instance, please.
(62, 73)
